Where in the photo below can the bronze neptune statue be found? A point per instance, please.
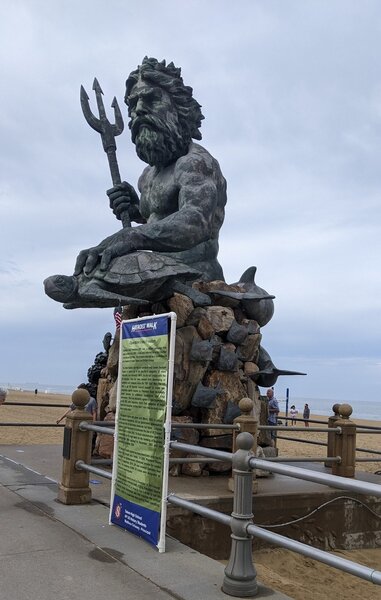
(179, 206)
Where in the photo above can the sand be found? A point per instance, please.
(32, 414)
(363, 440)
(300, 578)
(53, 435)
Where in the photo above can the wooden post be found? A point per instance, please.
(248, 424)
(331, 435)
(345, 444)
(74, 487)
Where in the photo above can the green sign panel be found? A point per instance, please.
(142, 428)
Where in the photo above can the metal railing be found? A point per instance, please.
(40, 404)
(232, 427)
(236, 427)
(31, 425)
(310, 429)
(37, 404)
(240, 573)
(82, 466)
(340, 418)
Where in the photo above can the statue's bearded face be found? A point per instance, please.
(154, 124)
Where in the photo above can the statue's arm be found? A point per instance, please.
(191, 224)
(123, 198)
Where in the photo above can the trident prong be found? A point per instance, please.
(90, 118)
(102, 125)
(119, 125)
(108, 132)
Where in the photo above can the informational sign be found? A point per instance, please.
(142, 430)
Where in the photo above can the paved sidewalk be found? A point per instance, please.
(49, 550)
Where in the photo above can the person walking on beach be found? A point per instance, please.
(3, 395)
(306, 415)
(273, 411)
(90, 407)
(293, 412)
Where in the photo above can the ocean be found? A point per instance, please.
(362, 409)
(43, 388)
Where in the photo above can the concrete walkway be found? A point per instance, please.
(52, 551)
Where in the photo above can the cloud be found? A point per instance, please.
(292, 99)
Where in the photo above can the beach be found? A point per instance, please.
(301, 577)
(40, 414)
(363, 440)
(33, 414)
(286, 571)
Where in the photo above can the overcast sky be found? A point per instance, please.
(291, 93)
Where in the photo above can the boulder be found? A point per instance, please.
(205, 328)
(248, 351)
(113, 357)
(182, 306)
(232, 389)
(221, 318)
(195, 316)
(192, 469)
(187, 373)
(237, 333)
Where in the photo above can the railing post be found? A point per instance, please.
(331, 434)
(74, 487)
(247, 423)
(240, 574)
(345, 444)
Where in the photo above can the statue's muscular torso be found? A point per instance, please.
(183, 205)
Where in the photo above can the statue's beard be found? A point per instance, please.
(158, 143)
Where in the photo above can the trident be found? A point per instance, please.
(108, 133)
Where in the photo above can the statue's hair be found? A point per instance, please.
(168, 77)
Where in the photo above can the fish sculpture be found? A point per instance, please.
(268, 373)
(257, 303)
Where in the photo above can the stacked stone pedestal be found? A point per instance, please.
(216, 356)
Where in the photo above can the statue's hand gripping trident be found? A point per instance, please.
(108, 134)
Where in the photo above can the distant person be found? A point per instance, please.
(90, 407)
(293, 412)
(3, 395)
(105, 443)
(36, 392)
(273, 411)
(306, 415)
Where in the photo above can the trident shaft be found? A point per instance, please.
(108, 133)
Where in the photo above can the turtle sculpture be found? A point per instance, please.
(137, 278)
